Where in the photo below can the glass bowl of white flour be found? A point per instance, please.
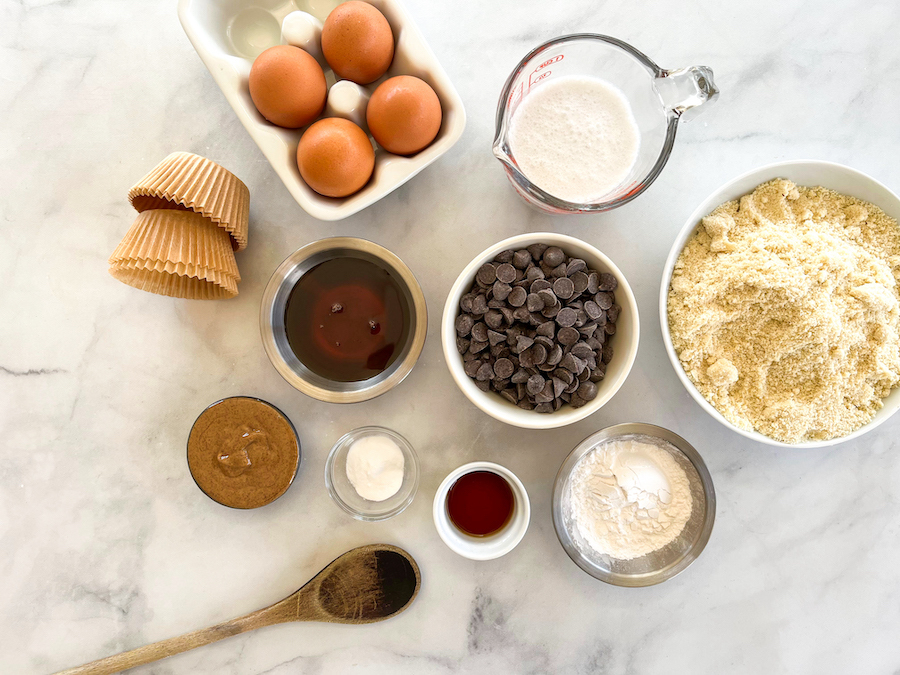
(633, 504)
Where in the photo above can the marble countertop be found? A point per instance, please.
(106, 543)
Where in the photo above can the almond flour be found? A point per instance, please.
(785, 312)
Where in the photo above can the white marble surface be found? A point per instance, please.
(106, 543)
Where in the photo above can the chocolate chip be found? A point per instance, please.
(597, 374)
(465, 302)
(540, 285)
(576, 401)
(568, 335)
(534, 274)
(471, 367)
(495, 338)
(548, 298)
(525, 404)
(564, 288)
(613, 313)
(587, 391)
(521, 314)
(551, 312)
(545, 395)
(462, 345)
(506, 273)
(538, 354)
(503, 368)
(547, 328)
(537, 250)
(504, 256)
(487, 274)
(494, 319)
(534, 302)
(479, 305)
(565, 375)
(593, 310)
(593, 283)
(610, 328)
(553, 256)
(485, 372)
(582, 351)
(517, 297)
(572, 363)
(501, 290)
(575, 265)
(494, 303)
(608, 282)
(607, 353)
(566, 317)
(544, 340)
(587, 330)
(507, 315)
(535, 384)
(558, 386)
(580, 282)
(477, 346)
(520, 376)
(464, 324)
(521, 259)
(543, 408)
(523, 342)
(559, 271)
(555, 355)
(484, 385)
(479, 332)
(509, 396)
(604, 300)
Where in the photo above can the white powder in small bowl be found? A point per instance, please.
(628, 498)
(375, 467)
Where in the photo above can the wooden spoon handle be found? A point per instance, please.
(182, 643)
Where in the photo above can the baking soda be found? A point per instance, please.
(575, 137)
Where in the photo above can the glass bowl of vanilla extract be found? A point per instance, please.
(343, 320)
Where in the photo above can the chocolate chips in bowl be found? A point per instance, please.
(537, 320)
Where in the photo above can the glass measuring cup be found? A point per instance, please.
(659, 99)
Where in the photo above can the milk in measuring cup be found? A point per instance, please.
(575, 137)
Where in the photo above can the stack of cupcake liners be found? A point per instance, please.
(193, 215)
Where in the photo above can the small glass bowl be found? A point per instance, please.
(344, 494)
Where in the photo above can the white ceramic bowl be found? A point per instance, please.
(482, 548)
(624, 342)
(229, 34)
(802, 172)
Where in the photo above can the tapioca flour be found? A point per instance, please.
(575, 137)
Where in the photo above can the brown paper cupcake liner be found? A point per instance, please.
(179, 269)
(173, 285)
(180, 238)
(187, 181)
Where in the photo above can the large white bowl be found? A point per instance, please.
(229, 34)
(802, 172)
(624, 342)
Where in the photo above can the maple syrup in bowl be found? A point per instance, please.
(343, 320)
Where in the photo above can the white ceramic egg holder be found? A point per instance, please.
(229, 34)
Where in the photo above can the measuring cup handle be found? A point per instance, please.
(684, 90)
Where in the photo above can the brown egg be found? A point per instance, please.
(404, 115)
(357, 42)
(335, 157)
(287, 86)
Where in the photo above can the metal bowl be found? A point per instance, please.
(271, 320)
(660, 565)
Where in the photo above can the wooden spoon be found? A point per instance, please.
(368, 584)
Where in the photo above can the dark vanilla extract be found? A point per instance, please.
(480, 503)
(345, 319)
